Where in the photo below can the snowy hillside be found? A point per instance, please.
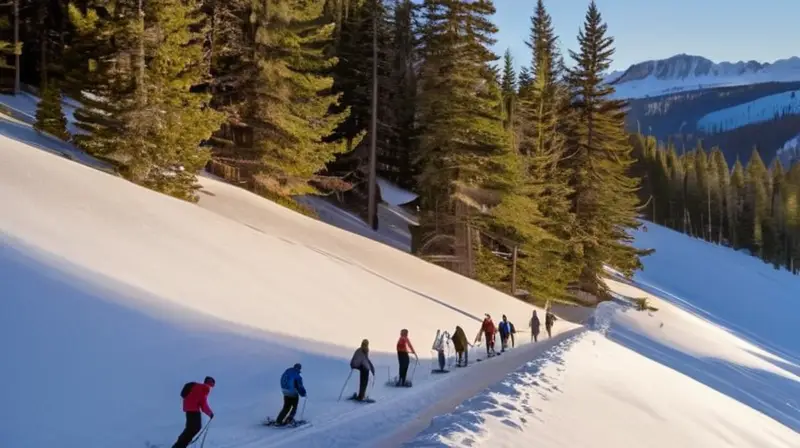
(789, 153)
(691, 374)
(763, 109)
(114, 296)
(683, 73)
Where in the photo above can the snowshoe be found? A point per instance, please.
(291, 424)
(396, 383)
(366, 400)
(435, 371)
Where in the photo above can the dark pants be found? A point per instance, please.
(462, 357)
(503, 342)
(549, 330)
(194, 422)
(404, 360)
(489, 342)
(442, 360)
(288, 410)
(535, 336)
(363, 382)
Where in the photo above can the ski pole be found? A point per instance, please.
(414, 371)
(371, 387)
(345, 385)
(203, 433)
(303, 410)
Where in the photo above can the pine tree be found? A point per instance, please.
(545, 223)
(736, 205)
(138, 107)
(721, 184)
(777, 215)
(604, 198)
(287, 95)
(677, 194)
(403, 93)
(524, 82)
(703, 192)
(50, 117)
(509, 88)
(756, 204)
(465, 159)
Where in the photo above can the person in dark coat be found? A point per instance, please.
(549, 320)
(361, 362)
(195, 402)
(292, 388)
(535, 327)
(505, 331)
(461, 345)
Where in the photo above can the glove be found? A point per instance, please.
(211, 416)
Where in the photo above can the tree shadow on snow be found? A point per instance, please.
(90, 349)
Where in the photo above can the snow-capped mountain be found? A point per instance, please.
(682, 73)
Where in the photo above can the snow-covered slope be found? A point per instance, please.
(114, 296)
(683, 73)
(789, 153)
(688, 374)
(763, 109)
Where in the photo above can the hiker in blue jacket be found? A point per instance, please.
(505, 331)
(292, 388)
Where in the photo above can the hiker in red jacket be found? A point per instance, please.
(404, 348)
(488, 329)
(195, 401)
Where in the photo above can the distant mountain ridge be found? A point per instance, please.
(683, 73)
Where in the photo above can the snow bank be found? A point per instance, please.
(393, 194)
(716, 365)
(114, 296)
(695, 386)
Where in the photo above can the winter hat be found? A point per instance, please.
(403, 332)
(210, 381)
(298, 366)
(365, 344)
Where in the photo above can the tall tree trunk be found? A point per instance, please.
(16, 49)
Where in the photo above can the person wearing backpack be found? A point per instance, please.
(292, 388)
(195, 400)
(362, 363)
(505, 331)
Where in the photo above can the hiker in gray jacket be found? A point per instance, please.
(361, 362)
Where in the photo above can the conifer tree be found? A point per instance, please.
(756, 203)
(287, 94)
(509, 87)
(721, 185)
(735, 201)
(523, 81)
(403, 92)
(465, 160)
(677, 194)
(703, 192)
(604, 198)
(545, 223)
(138, 107)
(50, 116)
(777, 245)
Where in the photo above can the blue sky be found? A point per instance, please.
(721, 30)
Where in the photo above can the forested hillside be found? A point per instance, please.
(747, 206)
(524, 179)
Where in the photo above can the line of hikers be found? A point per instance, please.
(195, 395)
